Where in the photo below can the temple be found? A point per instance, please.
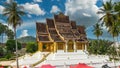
(60, 34)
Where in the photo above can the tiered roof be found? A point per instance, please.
(73, 24)
(52, 31)
(42, 33)
(41, 28)
(61, 18)
(50, 23)
(60, 28)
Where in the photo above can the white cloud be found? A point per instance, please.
(33, 9)
(24, 33)
(85, 14)
(1, 9)
(29, 24)
(82, 11)
(37, 0)
(29, 15)
(54, 9)
(9, 1)
(26, 25)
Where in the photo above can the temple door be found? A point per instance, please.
(70, 45)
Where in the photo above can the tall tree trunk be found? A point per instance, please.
(16, 48)
(118, 47)
(114, 56)
(118, 39)
(98, 41)
(97, 44)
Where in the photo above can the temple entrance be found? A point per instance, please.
(46, 47)
(80, 46)
(60, 46)
(70, 45)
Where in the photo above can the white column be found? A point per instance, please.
(74, 46)
(85, 47)
(66, 46)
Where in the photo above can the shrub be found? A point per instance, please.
(11, 45)
(31, 47)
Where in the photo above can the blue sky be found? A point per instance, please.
(82, 11)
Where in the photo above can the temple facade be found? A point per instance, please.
(60, 34)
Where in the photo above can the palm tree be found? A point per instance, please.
(117, 10)
(109, 16)
(114, 31)
(97, 31)
(14, 13)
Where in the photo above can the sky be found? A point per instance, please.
(84, 12)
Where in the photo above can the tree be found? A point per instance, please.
(117, 10)
(97, 31)
(31, 47)
(1, 51)
(114, 31)
(107, 10)
(11, 46)
(112, 54)
(10, 34)
(101, 50)
(3, 29)
(111, 18)
(14, 13)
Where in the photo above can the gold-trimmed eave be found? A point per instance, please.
(57, 30)
(49, 34)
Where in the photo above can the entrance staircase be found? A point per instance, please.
(65, 59)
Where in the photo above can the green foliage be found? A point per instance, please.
(10, 34)
(1, 51)
(44, 47)
(101, 49)
(111, 17)
(7, 31)
(97, 30)
(31, 47)
(11, 46)
(112, 52)
(3, 59)
(8, 56)
(13, 12)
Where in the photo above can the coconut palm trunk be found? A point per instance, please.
(17, 61)
(113, 55)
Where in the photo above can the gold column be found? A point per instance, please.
(64, 47)
(51, 47)
(55, 47)
(40, 46)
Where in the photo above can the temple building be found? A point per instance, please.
(60, 34)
